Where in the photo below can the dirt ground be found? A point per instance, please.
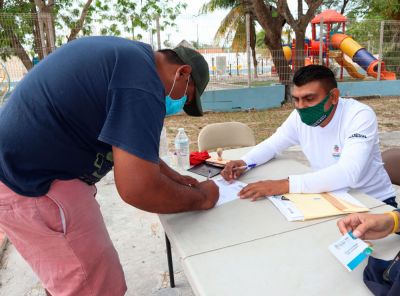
(264, 123)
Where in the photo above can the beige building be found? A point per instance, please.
(15, 69)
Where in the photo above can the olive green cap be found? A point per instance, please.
(200, 75)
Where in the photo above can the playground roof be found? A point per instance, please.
(329, 16)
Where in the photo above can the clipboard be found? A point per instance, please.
(204, 168)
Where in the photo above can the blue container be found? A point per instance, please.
(364, 58)
(35, 60)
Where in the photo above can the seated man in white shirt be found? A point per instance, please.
(338, 136)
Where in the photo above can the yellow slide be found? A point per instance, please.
(339, 58)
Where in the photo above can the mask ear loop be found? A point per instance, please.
(173, 85)
(187, 84)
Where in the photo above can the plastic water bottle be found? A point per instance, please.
(163, 150)
(182, 149)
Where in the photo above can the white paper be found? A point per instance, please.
(350, 251)
(343, 195)
(228, 191)
(287, 208)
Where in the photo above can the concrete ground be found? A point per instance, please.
(139, 239)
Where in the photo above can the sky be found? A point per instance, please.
(192, 26)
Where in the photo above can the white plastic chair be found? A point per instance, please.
(225, 134)
(391, 160)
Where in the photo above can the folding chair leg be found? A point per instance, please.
(170, 266)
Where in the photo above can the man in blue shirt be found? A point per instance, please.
(94, 103)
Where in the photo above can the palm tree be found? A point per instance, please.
(234, 24)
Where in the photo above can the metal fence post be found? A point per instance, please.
(321, 34)
(41, 34)
(248, 49)
(151, 40)
(50, 31)
(380, 51)
(158, 32)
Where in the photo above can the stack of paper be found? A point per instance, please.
(297, 207)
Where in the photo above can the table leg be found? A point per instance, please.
(170, 266)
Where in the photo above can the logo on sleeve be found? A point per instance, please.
(336, 151)
(357, 135)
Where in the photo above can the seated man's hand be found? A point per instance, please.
(262, 189)
(186, 180)
(231, 171)
(211, 193)
(367, 226)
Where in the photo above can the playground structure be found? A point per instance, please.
(339, 47)
(4, 83)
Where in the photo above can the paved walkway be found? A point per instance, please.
(139, 239)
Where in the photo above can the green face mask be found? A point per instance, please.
(315, 115)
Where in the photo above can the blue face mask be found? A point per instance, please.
(174, 106)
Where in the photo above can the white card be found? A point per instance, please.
(228, 191)
(350, 251)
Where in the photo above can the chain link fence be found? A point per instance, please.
(371, 50)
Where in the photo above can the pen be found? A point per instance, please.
(209, 175)
(244, 167)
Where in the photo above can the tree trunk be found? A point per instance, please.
(255, 63)
(272, 25)
(299, 26)
(16, 45)
(253, 44)
(281, 65)
(288, 94)
(37, 42)
(80, 22)
(272, 22)
(298, 55)
(20, 51)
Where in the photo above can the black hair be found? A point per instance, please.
(171, 56)
(312, 73)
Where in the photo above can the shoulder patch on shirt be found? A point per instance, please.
(357, 135)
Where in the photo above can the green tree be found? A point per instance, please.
(234, 24)
(272, 22)
(260, 39)
(370, 9)
(35, 27)
(341, 6)
(299, 25)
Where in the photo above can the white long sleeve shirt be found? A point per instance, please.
(344, 154)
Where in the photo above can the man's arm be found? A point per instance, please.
(174, 175)
(284, 137)
(368, 226)
(141, 184)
